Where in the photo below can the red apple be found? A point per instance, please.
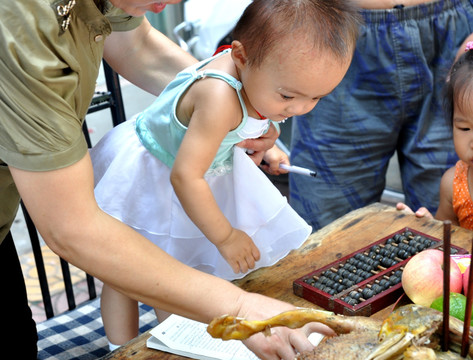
(466, 275)
(422, 277)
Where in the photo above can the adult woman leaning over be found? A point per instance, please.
(50, 55)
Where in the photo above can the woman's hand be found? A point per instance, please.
(259, 146)
(284, 343)
(272, 159)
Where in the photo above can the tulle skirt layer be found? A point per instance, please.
(133, 186)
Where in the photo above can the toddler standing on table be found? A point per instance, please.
(174, 173)
(456, 203)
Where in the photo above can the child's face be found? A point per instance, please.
(463, 131)
(291, 82)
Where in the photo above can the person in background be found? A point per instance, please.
(175, 175)
(50, 55)
(456, 203)
(389, 101)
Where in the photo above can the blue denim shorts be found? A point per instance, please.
(390, 99)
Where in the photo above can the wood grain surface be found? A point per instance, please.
(345, 235)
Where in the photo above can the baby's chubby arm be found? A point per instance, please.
(213, 115)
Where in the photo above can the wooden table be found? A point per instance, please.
(345, 235)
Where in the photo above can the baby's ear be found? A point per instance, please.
(239, 54)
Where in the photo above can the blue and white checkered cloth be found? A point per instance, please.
(79, 334)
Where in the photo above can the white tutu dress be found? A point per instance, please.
(132, 170)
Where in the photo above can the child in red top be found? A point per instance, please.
(456, 203)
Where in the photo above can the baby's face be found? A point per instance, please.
(140, 7)
(463, 131)
(291, 82)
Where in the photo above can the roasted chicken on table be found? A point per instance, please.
(409, 332)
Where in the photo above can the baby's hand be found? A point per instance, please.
(421, 212)
(239, 251)
(272, 159)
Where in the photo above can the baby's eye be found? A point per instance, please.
(464, 129)
(287, 97)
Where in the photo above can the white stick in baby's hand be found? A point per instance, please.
(298, 170)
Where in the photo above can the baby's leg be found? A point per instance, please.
(120, 316)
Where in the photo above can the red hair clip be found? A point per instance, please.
(469, 45)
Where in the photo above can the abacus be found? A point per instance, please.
(369, 279)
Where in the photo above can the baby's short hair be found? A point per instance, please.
(332, 25)
(459, 85)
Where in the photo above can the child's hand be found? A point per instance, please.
(239, 251)
(421, 212)
(272, 159)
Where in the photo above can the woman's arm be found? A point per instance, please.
(62, 206)
(146, 57)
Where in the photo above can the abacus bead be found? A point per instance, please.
(341, 272)
(353, 302)
(384, 283)
(367, 293)
(377, 288)
(359, 256)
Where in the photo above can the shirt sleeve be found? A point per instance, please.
(39, 129)
(120, 21)
(47, 80)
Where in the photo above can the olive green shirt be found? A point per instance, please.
(50, 55)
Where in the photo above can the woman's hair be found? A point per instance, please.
(332, 25)
(459, 86)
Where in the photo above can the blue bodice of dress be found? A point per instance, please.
(161, 132)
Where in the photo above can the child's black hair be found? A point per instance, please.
(332, 25)
(459, 85)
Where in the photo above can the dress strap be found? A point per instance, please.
(230, 80)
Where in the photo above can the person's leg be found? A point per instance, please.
(351, 134)
(18, 329)
(120, 316)
(426, 146)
